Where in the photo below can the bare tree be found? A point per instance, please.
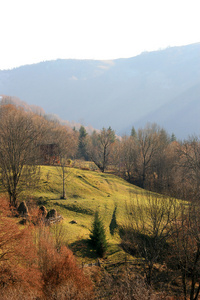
(148, 145)
(99, 147)
(167, 169)
(67, 143)
(20, 133)
(189, 164)
(186, 248)
(148, 229)
(128, 156)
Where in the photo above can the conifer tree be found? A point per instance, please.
(82, 143)
(173, 137)
(98, 236)
(133, 132)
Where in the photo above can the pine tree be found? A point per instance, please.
(82, 143)
(173, 137)
(98, 236)
(133, 132)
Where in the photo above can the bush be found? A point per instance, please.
(18, 258)
(34, 266)
(62, 277)
(124, 284)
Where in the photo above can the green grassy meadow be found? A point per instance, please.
(86, 192)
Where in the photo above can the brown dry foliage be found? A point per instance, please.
(37, 270)
(18, 255)
(125, 284)
(63, 279)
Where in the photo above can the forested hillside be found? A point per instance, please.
(160, 86)
(66, 193)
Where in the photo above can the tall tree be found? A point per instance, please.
(99, 147)
(189, 163)
(20, 134)
(148, 230)
(173, 138)
(185, 252)
(133, 132)
(159, 164)
(82, 143)
(66, 141)
(148, 146)
(128, 156)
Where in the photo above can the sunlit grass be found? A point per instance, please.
(86, 192)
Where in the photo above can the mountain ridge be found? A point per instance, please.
(119, 93)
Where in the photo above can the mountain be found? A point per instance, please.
(160, 86)
(181, 114)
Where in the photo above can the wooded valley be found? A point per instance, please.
(132, 202)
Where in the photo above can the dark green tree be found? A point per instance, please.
(173, 138)
(82, 143)
(133, 132)
(98, 236)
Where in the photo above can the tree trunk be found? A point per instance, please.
(194, 277)
(197, 293)
(184, 282)
(63, 183)
(13, 198)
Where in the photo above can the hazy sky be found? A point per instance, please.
(37, 30)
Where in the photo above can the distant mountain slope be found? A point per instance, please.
(120, 93)
(181, 114)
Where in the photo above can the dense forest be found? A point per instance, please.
(164, 229)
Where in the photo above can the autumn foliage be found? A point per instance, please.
(18, 257)
(32, 268)
(62, 278)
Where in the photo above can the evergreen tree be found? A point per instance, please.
(82, 132)
(133, 132)
(74, 129)
(98, 236)
(173, 137)
(82, 143)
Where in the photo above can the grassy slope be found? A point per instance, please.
(86, 191)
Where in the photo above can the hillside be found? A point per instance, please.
(131, 248)
(86, 192)
(155, 86)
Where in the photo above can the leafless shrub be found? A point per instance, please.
(125, 285)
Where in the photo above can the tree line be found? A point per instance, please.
(148, 157)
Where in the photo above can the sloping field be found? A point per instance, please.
(86, 192)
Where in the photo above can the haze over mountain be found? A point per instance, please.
(160, 86)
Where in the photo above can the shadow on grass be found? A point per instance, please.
(42, 201)
(83, 248)
(45, 200)
(75, 208)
